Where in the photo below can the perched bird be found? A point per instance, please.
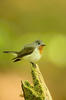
(31, 52)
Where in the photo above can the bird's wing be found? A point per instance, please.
(26, 51)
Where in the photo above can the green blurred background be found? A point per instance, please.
(21, 22)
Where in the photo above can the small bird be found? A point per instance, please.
(31, 52)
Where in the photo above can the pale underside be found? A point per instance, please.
(34, 56)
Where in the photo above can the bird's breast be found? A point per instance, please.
(41, 49)
(34, 56)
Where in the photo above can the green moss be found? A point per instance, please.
(39, 90)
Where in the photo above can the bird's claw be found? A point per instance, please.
(34, 65)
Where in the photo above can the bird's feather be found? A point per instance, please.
(24, 52)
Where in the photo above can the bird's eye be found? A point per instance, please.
(38, 43)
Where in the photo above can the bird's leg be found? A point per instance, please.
(33, 64)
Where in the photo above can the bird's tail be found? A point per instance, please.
(16, 59)
(12, 52)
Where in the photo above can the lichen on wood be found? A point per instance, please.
(39, 90)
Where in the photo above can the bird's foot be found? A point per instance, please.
(33, 64)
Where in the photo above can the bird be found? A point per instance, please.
(31, 52)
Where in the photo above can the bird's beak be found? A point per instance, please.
(43, 44)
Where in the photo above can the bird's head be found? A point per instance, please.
(39, 43)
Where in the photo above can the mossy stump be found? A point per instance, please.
(39, 90)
